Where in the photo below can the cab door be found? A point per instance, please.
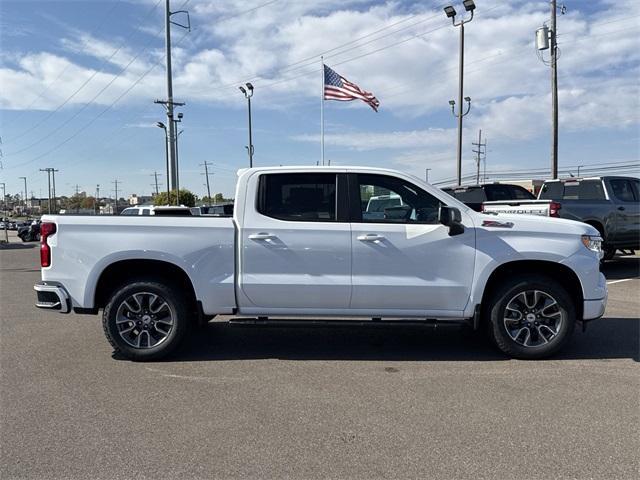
(406, 261)
(627, 204)
(296, 244)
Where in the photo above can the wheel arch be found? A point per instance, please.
(567, 276)
(598, 225)
(115, 273)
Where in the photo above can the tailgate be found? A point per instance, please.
(520, 207)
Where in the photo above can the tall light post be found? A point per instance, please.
(469, 6)
(177, 163)
(25, 193)
(248, 93)
(166, 150)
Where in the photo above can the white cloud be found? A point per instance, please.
(364, 141)
(231, 42)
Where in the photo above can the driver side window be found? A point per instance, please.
(385, 199)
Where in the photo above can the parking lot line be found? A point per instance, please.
(622, 280)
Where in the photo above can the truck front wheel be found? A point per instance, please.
(146, 319)
(530, 316)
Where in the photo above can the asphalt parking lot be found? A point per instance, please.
(314, 402)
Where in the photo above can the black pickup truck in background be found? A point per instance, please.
(475, 195)
(610, 204)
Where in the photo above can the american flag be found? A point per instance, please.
(336, 87)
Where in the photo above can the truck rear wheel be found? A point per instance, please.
(146, 319)
(530, 317)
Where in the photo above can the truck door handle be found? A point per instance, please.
(621, 208)
(261, 236)
(370, 237)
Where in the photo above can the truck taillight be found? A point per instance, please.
(46, 230)
(554, 209)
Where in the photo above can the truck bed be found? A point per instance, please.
(202, 246)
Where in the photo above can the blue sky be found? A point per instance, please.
(78, 80)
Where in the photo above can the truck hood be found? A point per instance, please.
(533, 223)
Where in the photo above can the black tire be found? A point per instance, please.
(496, 310)
(177, 306)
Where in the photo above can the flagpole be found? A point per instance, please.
(322, 111)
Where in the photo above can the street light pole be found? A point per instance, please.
(177, 164)
(248, 93)
(25, 192)
(166, 150)
(469, 6)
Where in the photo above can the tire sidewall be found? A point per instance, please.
(180, 322)
(520, 284)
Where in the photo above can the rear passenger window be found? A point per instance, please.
(552, 191)
(623, 190)
(591, 190)
(146, 211)
(520, 193)
(302, 197)
(498, 192)
(470, 195)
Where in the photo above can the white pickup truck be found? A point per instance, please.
(302, 244)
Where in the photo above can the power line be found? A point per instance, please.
(88, 124)
(86, 82)
(47, 87)
(84, 107)
(314, 58)
(543, 173)
(366, 54)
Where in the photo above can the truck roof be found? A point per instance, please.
(580, 179)
(321, 168)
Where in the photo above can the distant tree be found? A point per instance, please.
(217, 198)
(88, 202)
(187, 198)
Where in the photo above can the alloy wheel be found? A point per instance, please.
(144, 320)
(533, 318)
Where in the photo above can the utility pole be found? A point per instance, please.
(96, 206)
(77, 198)
(177, 158)
(49, 170)
(479, 154)
(155, 176)
(4, 207)
(53, 176)
(206, 174)
(115, 209)
(426, 176)
(169, 103)
(4, 197)
(554, 92)
(469, 6)
(25, 192)
(547, 38)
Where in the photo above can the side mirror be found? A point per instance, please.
(452, 218)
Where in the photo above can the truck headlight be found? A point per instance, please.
(593, 243)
